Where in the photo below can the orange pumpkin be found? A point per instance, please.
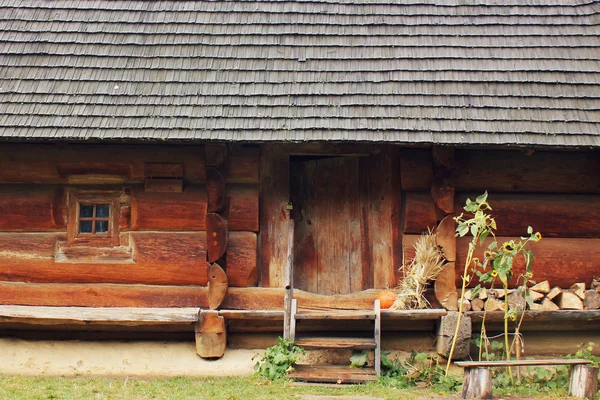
(386, 298)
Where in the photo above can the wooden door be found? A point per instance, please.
(328, 253)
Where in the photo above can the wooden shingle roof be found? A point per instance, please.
(407, 71)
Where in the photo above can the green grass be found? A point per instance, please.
(30, 388)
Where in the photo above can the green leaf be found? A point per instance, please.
(482, 198)
(529, 230)
(358, 359)
(483, 236)
(462, 230)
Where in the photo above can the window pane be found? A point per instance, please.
(102, 210)
(85, 227)
(86, 211)
(101, 226)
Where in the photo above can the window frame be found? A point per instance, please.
(77, 197)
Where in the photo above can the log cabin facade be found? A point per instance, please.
(152, 152)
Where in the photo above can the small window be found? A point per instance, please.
(94, 218)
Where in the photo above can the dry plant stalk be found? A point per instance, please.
(426, 266)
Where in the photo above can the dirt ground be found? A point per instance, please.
(117, 359)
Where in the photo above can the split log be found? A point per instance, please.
(595, 284)
(186, 211)
(477, 304)
(483, 294)
(584, 382)
(549, 305)
(275, 180)
(215, 189)
(466, 305)
(166, 258)
(537, 307)
(515, 171)
(217, 237)
(516, 301)
(535, 296)
(560, 261)
(541, 287)
(591, 300)
(579, 290)
(569, 301)
(211, 335)
(34, 208)
(217, 286)
(493, 304)
(553, 293)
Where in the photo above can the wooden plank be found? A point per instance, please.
(516, 171)
(336, 343)
(271, 315)
(217, 286)
(274, 187)
(160, 258)
(338, 315)
(289, 281)
(416, 170)
(242, 259)
(97, 163)
(332, 374)
(35, 208)
(419, 213)
(128, 316)
(102, 295)
(187, 211)
(560, 261)
(558, 316)
(445, 287)
(215, 188)
(522, 363)
(217, 237)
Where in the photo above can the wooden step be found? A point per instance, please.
(333, 374)
(335, 314)
(336, 343)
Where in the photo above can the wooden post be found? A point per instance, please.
(289, 281)
(584, 382)
(377, 337)
(211, 334)
(293, 319)
(477, 384)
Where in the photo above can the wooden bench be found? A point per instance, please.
(478, 378)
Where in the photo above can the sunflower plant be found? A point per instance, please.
(495, 267)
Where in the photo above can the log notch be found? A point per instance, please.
(217, 236)
(442, 192)
(211, 335)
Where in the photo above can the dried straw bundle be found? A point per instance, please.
(426, 266)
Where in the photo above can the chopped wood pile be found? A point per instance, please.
(577, 297)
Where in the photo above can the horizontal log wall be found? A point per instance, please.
(557, 193)
(163, 238)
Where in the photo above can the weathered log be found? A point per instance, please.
(569, 301)
(466, 305)
(217, 236)
(102, 295)
(535, 296)
(420, 213)
(515, 171)
(591, 300)
(553, 293)
(34, 208)
(275, 180)
(215, 189)
(578, 289)
(217, 286)
(160, 258)
(211, 335)
(483, 294)
(442, 187)
(537, 307)
(187, 211)
(477, 384)
(493, 304)
(516, 301)
(584, 382)
(445, 283)
(416, 170)
(595, 284)
(541, 287)
(560, 261)
(242, 165)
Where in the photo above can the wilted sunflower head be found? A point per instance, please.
(508, 246)
(494, 273)
(538, 237)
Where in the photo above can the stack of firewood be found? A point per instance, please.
(577, 297)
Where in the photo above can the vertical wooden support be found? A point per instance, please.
(442, 191)
(584, 382)
(217, 286)
(211, 335)
(289, 282)
(477, 384)
(377, 333)
(275, 194)
(293, 319)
